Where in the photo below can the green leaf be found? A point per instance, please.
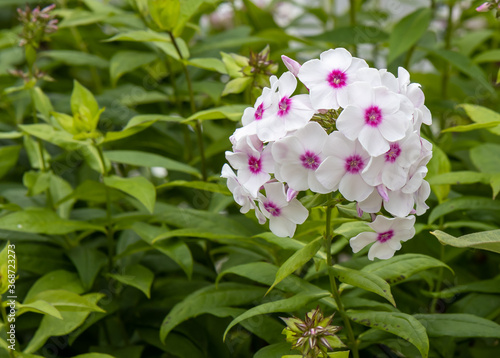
(137, 276)
(36, 182)
(480, 115)
(4, 266)
(471, 127)
(84, 107)
(209, 63)
(297, 260)
(237, 85)
(140, 36)
(459, 178)
(486, 157)
(51, 134)
(439, 164)
(65, 301)
(458, 325)
(487, 56)
(138, 187)
(200, 185)
(8, 158)
(463, 203)
(486, 286)
(231, 112)
(79, 17)
(486, 240)
(43, 221)
(408, 31)
(38, 307)
(495, 184)
(42, 103)
(144, 159)
(75, 58)
(88, 263)
(188, 9)
(294, 303)
(401, 267)
(165, 13)
(352, 35)
(126, 61)
(277, 350)
(365, 280)
(400, 324)
(209, 298)
(55, 280)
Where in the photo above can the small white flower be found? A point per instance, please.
(343, 167)
(374, 116)
(328, 78)
(387, 236)
(298, 156)
(283, 215)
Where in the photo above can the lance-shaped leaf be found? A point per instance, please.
(486, 240)
(459, 325)
(138, 187)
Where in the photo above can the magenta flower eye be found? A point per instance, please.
(337, 79)
(373, 116)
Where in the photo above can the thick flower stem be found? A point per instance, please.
(197, 128)
(328, 237)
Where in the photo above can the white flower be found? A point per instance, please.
(283, 215)
(298, 156)
(343, 167)
(241, 195)
(374, 116)
(288, 113)
(327, 78)
(253, 162)
(387, 236)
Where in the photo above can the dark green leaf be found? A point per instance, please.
(137, 276)
(138, 187)
(459, 325)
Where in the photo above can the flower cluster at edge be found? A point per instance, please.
(356, 131)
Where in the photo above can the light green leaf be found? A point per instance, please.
(36, 182)
(495, 184)
(140, 36)
(209, 298)
(439, 164)
(165, 13)
(84, 107)
(400, 324)
(144, 159)
(237, 85)
(231, 112)
(408, 31)
(50, 134)
(209, 63)
(401, 267)
(486, 240)
(486, 286)
(55, 280)
(4, 267)
(487, 56)
(459, 178)
(486, 157)
(365, 280)
(10, 135)
(137, 276)
(294, 303)
(458, 325)
(75, 58)
(297, 260)
(77, 17)
(126, 61)
(38, 307)
(200, 185)
(8, 158)
(138, 187)
(471, 127)
(42, 103)
(352, 35)
(480, 114)
(65, 301)
(88, 263)
(43, 221)
(462, 203)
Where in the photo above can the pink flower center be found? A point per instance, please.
(385, 236)
(284, 106)
(259, 112)
(310, 160)
(373, 116)
(354, 164)
(254, 165)
(337, 79)
(393, 153)
(272, 208)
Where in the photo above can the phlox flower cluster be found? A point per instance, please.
(356, 131)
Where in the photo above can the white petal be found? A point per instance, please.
(337, 59)
(255, 181)
(288, 83)
(315, 185)
(372, 174)
(313, 72)
(295, 212)
(372, 140)
(353, 187)
(287, 150)
(361, 240)
(330, 172)
(381, 251)
(281, 226)
(295, 175)
(275, 192)
(372, 204)
(351, 121)
(323, 96)
(393, 127)
(394, 177)
(361, 95)
(312, 137)
(399, 204)
(388, 101)
(382, 224)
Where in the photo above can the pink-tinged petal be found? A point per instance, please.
(394, 177)
(255, 182)
(359, 210)
(351, 121)
(399, 204)
(292, 65)
(287, 150)
(288, 83)
(484, 7)
(313, 72)
(380, 251)
(330, 172)
(388, 101)
(410, 151)
(291, 194)
(248, 116)
(275, 192)
(415, 181)
(372, 141)
(237, 160)
(339, 146)
(315, 185)
(281, 226)
(422, 195)
(260, 217)
(295, 175)
(382, 224)
(295, 212)
(271, 129)
(360, 241)
(323, 96)
(338, 59)
(360, 94)
(267, 161)
(382, 191)
(354, 188)
(312, 137)
(372, 204)
(393, 127)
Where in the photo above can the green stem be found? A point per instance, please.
(328, 237)
(198, 128)
(4, 318)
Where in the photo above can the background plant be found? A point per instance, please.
(128, 243)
